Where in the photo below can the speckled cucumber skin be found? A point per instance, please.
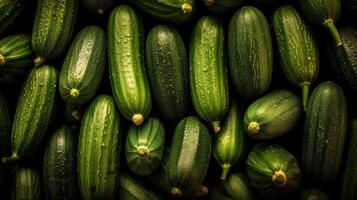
(97, 6)
(26, 184)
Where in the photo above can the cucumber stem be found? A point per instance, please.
(279, 178)
(74, 93)
(186, 8)
(202, 191)
(305, 94)
(253, 128)
(225, 171)
(176, 192)
(100, 11)
(143, 152)
(138, 119)
(76, 115)
(38, 61)
(12, 158)
(216, 126)
(329, 24)
(2, 60)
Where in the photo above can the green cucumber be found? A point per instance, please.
(59, 165)
(222, 6)
(97, 6)
(176, 11)
(298, 50)
(53, 28)
(99, 149)
(323, 12)
(144, 146)
(15, 56)
(189, 156)
(83, 67)
(5, 125)
(35, 107)
(312, 194)
(238, 187)
(167, 67)
(127, 75)
(273, 115)
(218, 193)
(229, 145)
(273, 171)
(26, 184)
(249, 34)
(208, 71)
(324, 133)
(9, 11)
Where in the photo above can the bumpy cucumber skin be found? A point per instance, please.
(26, 184)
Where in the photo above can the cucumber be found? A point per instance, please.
(5, 125)
(131, 189)
(127, 75)
(273, 115)
(208, 71)
(273, 171)
(250, 52)
(35, 107)
(222, 6)
(189, 156)
(217, 193)
(312, 194)
(298, 50)
(175, 11)
(53, 28)
(15, 56)
(144, 146)
(26, 184)
(230, 143)
(323, 12)
(9, 11)
(83, 67)
(97, 6)
(59, 165)
(238, 187)
(167, 67)
(324, 133)
(99, 150)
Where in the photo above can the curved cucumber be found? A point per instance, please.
(26, 184)
(97, 6)
(9, 10)
(222, 6)
(238, 187)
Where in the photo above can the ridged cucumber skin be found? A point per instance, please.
(128, 78)
(175, 11)
(349, 178)
(9, 10)
(297, 49)
(53, 27)
(273, 171)
(35, 107)
(167, 67)
(238, 187)
(230, 143)
(144, 146)
(222, 6)
(99, 149)
(97, 6)
(5, 124)
(189, 156)
(132, 189)
(59, 165)
(83, 67)
(249, 34)
(26, 184)
(324, 133)
(273, 115)
(313, 194)
(208, 71)
(15, 56)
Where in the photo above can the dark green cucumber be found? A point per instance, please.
(208, 71)
(218, 193)
(229, 145)
(99, 149)
(127, 75)
(97, 6)
(238, 187)
(53, 28)
(176, 11)
(250, 52)
(273, 115)
(313, 194)
(83, 68)
(189, 156)
(35, 107)
(5, 125)
(323, 12)
(59, 165)
(144, 146)
(15, 56)
(26, 184)
(273, 171)
(324, 133)
(349, 178)
(298, 50)
(167, 67)
(9, 10)
(222, 6)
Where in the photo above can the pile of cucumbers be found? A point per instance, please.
(178, 99)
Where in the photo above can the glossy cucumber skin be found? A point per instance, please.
(99, 149)
(250, 52)
(310, 193)
(9, 10)
(128, 78)
(238, 187)
(97, 6)
(144, 146)
(317, 11)
(59, 165)
(208, 71)
(5, 125)
(324, 133)
(83, 67)
(26, 184)
(167, 67)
